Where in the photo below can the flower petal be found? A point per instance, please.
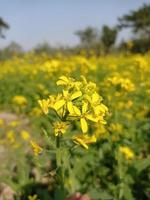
(84, 125)
(95, 97)
(64, 78)
(76, 110)
(59, 104)
(61, 82)
(70, 107)
(92, 118)
(76, 95)
(84, 107)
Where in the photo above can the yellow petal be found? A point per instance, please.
(70, 107)
(36, 148)
(76, 95)
(105, 109)
(92, 118)
(91, 139)
(61, 82)
(44, 105)
(79, 140)
(84, 107)
(95, 97)
(64, 78)
(59, 104)
(100, 109)
(84, 125)
(76, 110)
(65, 93)
(82, 143)
(84, 79)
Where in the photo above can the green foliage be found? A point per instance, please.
(3, 26)
(138, 20)
(108, 37)
(104, 171)
(87, 36)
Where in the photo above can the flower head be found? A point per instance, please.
(127, 152)
(84, 140)
(60, 128)
(36, 148)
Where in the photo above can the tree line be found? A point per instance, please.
(103, 41)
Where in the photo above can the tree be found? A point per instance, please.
(3, 26)
(139, 22)
(87, 36)
(108, 37)
(13, 49)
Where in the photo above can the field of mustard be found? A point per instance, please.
(75, 124)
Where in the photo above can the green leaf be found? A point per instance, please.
(60, 194)
(140, 165)
(99, 195)
(128, 193)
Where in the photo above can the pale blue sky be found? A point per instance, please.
(55, 21)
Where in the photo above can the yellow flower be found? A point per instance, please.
(14, 123)
(84, 115)
(116, 127)
(44, 103)
(95, 102)
(36, 148)
(33, 197)
(36, 111)
(121, 83)
(25, 135)
(67, 99)
(128, 153)
(63, 80)
(80, 102)
(60, 128)
(1, 122)
(11, 136)
(84, 140)
(19, 100)
(100, 131)
(88, 87)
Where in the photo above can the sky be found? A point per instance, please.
(54, 21)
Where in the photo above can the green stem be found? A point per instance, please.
(58, 142)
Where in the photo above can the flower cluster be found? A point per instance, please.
(121, 83)
(127, 152)
(79, 101)
(19, 100)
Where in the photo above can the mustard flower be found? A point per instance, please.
(36, 148)
(20, 100)
(127, 152)
(84, 140)
(60, 128)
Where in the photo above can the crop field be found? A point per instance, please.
(75, 124)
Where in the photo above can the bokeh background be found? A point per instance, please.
(108, 42)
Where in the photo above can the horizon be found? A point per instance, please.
(35, 22)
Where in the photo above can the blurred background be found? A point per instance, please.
(35, 25)
(105, 42)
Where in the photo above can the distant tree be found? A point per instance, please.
(138, 20)
(43, 48)
(14, 47)
(3, 26)
(87, 36)
(108, 37)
